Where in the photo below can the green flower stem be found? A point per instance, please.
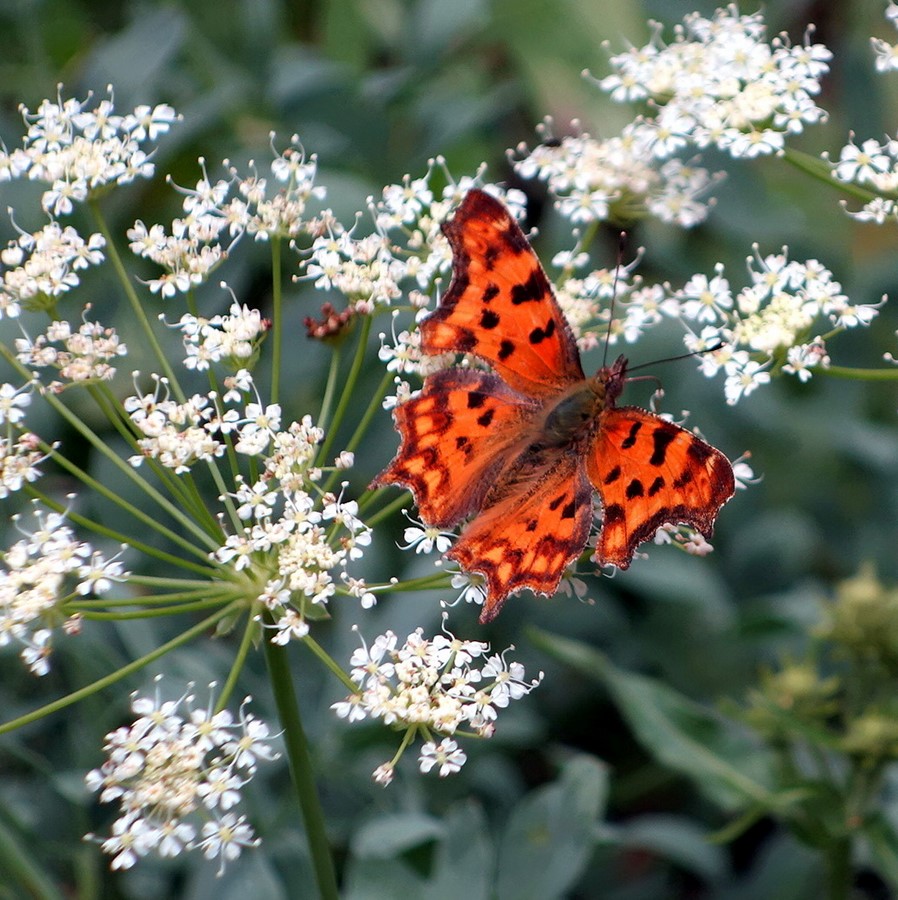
(327, 401)
(166, 582)
(822, 171)
(110, 407)
(277, 317)
(119, 674)
(300, 760)
(173, 610)
(173, 598)
(857, 374)
(226, 498)
(330, 663)
(134, 300)
(403, 500)
(143, 517)
(128, 470)
(250, 632)
(97, 528)
(364, 422)
(348, 391)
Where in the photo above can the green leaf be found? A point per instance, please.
(388, 836)
(728, 766)
(551, 834)
(464, 850)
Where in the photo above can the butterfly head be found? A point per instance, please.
(609, 381)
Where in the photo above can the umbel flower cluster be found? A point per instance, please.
(435, 685)
(248, 506)
(176, 772)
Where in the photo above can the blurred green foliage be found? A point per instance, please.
(608, 781)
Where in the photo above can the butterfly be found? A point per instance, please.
(518, 451)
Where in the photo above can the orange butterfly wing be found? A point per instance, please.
(500, 305)
(528, 535)
(650, 472)
(457, 436)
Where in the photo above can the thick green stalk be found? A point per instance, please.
(300, 761)
(858, 374)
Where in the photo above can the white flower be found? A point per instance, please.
(226, 838)
(425, 538)
(447, 755)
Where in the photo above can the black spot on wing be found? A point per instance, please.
(484, 420)
(506, 348)
(538, 335)
(534, 289)
(612, 476)
(490, 292)
(554, 504)
(630, 439)
(490, 255)
(635, 489)
(570, 510)
(489, 319)
(662, 437)
(656, 486)
(476, 399)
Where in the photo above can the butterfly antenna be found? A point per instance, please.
(621, 243)
(668, 359)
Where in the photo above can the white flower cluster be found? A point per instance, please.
(234, 337)
(770, 321)
(426, 685)
(617, 179)
(719, 83)
(19, 461)
(37, 574)
(77, 150)
(84, 356)
(874, 166)
(176, 434)
(364, 269)
(174, 767)
(44, 264)
(886, 53)
(194, 247)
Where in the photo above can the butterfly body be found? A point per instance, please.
(519, 451)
